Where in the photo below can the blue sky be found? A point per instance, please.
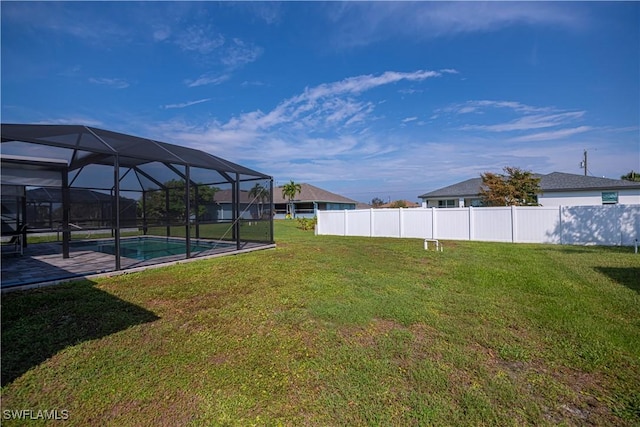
(366, 99)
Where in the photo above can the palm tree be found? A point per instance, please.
(258, 192)
(289, 191)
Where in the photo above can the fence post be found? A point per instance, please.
(513, 224)
(434, 223)
(371, 222)
(560, 224)
(346, 221)
(401, 223)
(472, 230)
(425, 210)
(620, 224)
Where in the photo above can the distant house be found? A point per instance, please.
(251, 207)
(310, 200)
(558, 189)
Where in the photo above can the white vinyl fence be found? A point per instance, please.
(613, 225)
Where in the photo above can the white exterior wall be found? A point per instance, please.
(587, 198)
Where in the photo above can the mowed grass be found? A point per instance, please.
(331, 330)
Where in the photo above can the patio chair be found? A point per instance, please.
(14, 245)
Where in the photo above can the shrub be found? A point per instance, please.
(307, 223)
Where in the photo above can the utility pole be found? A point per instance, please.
(583, 163)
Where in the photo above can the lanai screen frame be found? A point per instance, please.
(89, 145)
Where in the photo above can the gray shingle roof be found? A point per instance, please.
(555, 181)
(470, 187)
(311, 193)
(558, 181)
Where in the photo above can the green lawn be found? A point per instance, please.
(331, 330)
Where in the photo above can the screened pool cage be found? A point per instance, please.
(75, 185)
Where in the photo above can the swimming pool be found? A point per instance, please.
(148, 247)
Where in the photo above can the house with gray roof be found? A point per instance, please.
(310, 200)
(557, 189)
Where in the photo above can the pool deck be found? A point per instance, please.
(42, 264)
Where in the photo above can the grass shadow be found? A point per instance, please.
(626, 276)
(37, 324)
(585, 249)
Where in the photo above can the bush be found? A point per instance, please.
(307, 223)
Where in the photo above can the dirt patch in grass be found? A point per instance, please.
(424, 334)
(170, 409)
(589, 402)
(579, 397)
(366, 336)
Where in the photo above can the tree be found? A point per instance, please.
(515, 188)
(156, 201)
(376, 202)
(289, 192)
(398, 204)
(258, 192)
(631, 176)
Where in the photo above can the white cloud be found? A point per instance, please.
(477, 106)
(363, 23)
(327, 121)
(115, 83)
(201, 39)
(321, 105)
(240, 53)
(529, 118)
(269, 12)
(528, 122)
(409, 119)
(359, 84)
(186, 104)
(161, 34)
(553, 135)
(409, 91)
(75, 120)
(207, 79)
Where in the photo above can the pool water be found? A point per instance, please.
(144, 248)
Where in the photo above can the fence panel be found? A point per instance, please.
(359, 223)
(538, 224)
(630, 225)
(386, 222)
(452, 224)
(492, 224)
(597, 225)
(331, 223)
(417, 223)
